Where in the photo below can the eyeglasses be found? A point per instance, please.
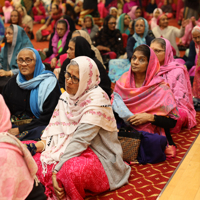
(74, 79)
(156, 51)
(27, 61)
(112, 23)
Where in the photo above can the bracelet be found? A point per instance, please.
(54, 172)
(43, 145)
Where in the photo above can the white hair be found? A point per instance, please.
(195, 29)
(27, 49)
(72, 62)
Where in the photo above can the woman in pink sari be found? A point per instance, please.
(176, 75)
(135, 12)
(148, 98)
(196, 83)
(129, 4)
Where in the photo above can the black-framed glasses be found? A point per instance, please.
(157, 51)
(27, 61)
(74, 79)
(112, 23)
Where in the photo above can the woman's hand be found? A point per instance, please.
(53, 63)
(140, 118)
(14, 131)
(60, 192)
(5, 73)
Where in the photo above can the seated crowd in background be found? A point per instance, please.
(109, 65)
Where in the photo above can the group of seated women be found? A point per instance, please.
(73, 135)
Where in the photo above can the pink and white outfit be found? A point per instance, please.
(176, 75)
(83, 171)
(17, 166)
(7, 9)
(154, 20)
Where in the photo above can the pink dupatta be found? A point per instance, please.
(154, 97)
(176, 75)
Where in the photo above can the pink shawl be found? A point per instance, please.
(5, 123)
(129, 5)
(154, 20)
(196, 83)
(176, 75)
(18, 169)
(132, 12)
(154, 97)
(55, 39)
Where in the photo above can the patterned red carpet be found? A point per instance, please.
(147, 181)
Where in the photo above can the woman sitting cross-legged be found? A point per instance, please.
(150, 101)
(81, 142)
(176, 75)
(79, 46)
(32, 94)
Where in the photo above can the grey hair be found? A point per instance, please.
(194, 29)
(76, 31)
(72, 62)
(27, 49)
(160, 41)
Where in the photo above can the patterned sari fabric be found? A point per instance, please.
(196, 82)
(176, 75)
(154, 97)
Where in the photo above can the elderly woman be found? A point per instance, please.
(118, 66)
(109, 40)
(16, 39)
(23, 173)
(58, 43)
(31, 96)
(176, 75)
(82, 133)
(150, 102)
(79, 46)
(169, 32)
(89, 26)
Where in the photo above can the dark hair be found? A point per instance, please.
(107, 19)
(62, 21)
(55, 5)
(19, 18)
(11, 27)
(138, 8)
(133, 24)
(144, 49)
(160, 41)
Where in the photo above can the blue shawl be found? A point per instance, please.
(2, 29)
(20, 41)
(41, 85)
(139, 40)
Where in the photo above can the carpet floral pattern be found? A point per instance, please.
(147, 181)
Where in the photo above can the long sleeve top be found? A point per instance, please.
(131, 43)
(192, 55)
(18, 102)
(93, 31)
(170, 33)
(105, 145)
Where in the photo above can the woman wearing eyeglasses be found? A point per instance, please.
(31, 96)
(15, 40)
(79, 46)
(80, 154)
(109, 40)
(176, 75)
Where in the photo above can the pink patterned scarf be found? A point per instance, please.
(89, 105)
(176, 75)
(154, 97)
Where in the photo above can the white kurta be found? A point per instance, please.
(170, 33)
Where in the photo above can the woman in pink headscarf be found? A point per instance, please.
(176, 75)
(129, 4)
(147, 96)
(18, 168)
(156, 13)
(7, 9)
(135, 12)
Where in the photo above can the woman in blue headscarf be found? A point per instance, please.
(140, 36)
(123, 23)
(15, 40)
(31, 96)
